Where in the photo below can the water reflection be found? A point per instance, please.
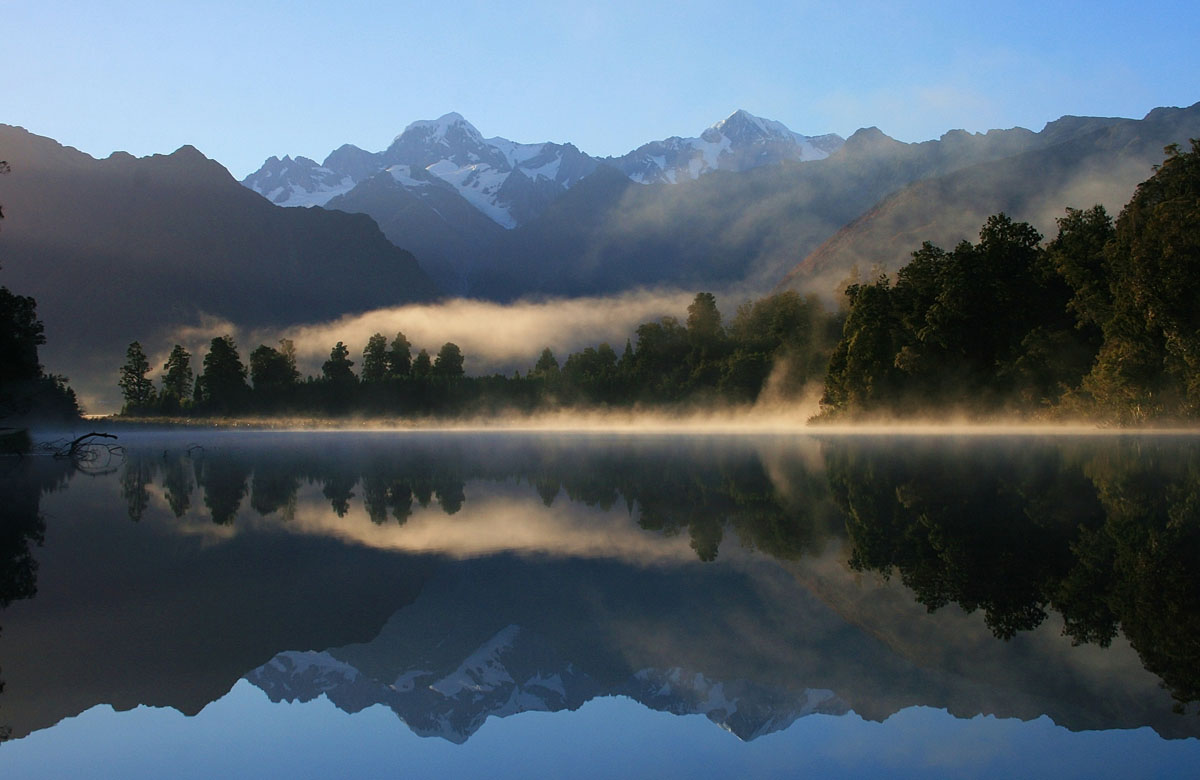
(453, 578)
(1107, 536)
(676, 489)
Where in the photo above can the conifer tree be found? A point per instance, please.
(222, 385)
(399, 357)
(337, 368)
(375, 359)
(177, 379)
(135, 387)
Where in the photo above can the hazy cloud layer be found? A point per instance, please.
(494, 337)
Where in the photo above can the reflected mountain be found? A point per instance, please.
(456, 577)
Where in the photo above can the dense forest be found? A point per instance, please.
(1102, 322)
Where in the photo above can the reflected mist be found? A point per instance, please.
(453, 577)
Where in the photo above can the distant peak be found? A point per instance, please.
(187, 151)
(741, 117)
(865, 135)
(439, 127)
(743, 127)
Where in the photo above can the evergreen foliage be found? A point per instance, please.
(375, 363)
(422, 365)
(273, 370)
(449, 361)
(137, 389)
(177, 379)
(1104, 320)
(399, 357)
(337, 369)
(21, 333)
(222, 387)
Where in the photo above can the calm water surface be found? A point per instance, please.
(464, 604)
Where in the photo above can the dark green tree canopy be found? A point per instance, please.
(422, 364)
(272, 369)
(704, 320)
(449, 361)
(21, 334)
(375, 363)
(337, 368)
(177, 376)
(546, 365)
(1150, 362)
(1077, 255)
(222, 384)
(399, 357)
(137, 389)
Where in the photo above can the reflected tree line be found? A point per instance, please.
(669, 493)
(225, 484)
(1107, 536)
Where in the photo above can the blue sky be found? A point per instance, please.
(244, 80)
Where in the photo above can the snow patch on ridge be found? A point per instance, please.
(482, 670)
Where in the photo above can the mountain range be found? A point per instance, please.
(736, 209)
(511, 183)
(448, 194)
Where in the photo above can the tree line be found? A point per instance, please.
(270, 382)
(695, 360)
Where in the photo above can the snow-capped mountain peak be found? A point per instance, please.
(739, 142)
(510, 182)
(449, 138)
(743, 128)
(298, 181)
(447, 125)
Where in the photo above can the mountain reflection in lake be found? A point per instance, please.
(754, 580)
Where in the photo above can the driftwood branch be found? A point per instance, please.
(89, 452)
(78, 445)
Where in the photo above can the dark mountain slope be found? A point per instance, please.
(121, 248)
(1092, 161)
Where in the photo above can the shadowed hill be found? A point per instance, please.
(121, 248)
(1091, 161)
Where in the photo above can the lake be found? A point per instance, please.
(310, 604)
